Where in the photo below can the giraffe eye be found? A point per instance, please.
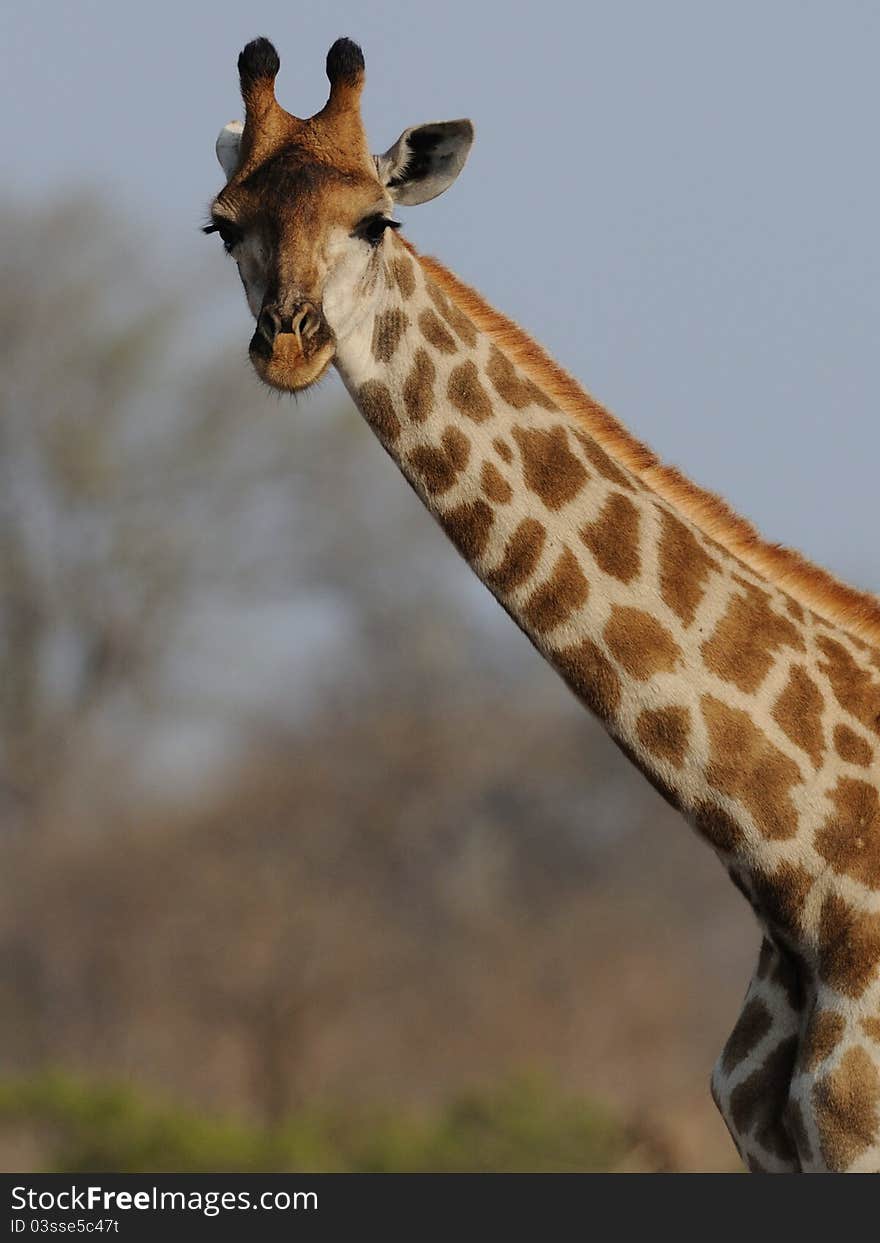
(229, 235)
(372, 228)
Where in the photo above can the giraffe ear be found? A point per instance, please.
(425, 160)
(228, 145)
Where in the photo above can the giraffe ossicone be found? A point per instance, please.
(743, 681)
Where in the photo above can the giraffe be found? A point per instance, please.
(743, 681)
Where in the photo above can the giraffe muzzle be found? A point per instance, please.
(305, 323)
(290, 351)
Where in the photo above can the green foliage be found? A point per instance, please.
(520, 1125)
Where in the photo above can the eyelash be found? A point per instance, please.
(229, 236)
(372, 229)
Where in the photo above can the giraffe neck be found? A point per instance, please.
(742, 707)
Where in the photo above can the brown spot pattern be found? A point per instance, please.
(439, 468)
(823, 1035)
(640, 643)
(780, 895)
(718, 827)
(650, 772)
(742, 648)
(388, 328)
(468, 527)
(745, 765)
(794, 1122)
(418, 387)
(665, 732)
(762, 1096)
(851, 747)
(854, 687)
(556, 599)
(787, 975)
(850, 839)
(457, 446)
(846, 1102)
(520, 556)
(613, 538)
(752, 1026)
(605, 465)
(403, 275)
(503, 449)
(798, 713)
(550, 469)
(435, 333)
(434, 469)
(871, 1027)
(591, 676)
(774, 1137)
(755, 1166)
(462, 325)
(684, 567)
(495, 486)
(453, 315)
(467, 393)
(849, 946)
(517, 390)
(375, 401)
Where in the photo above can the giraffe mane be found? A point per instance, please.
(857, 612)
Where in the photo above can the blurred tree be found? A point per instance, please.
(121, 475)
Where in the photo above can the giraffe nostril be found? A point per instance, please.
(260, 345)
(311, 323)
(305, 323)
(268, 326)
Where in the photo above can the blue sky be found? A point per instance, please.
(679, 200)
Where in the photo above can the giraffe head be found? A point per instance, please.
(306, 207)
